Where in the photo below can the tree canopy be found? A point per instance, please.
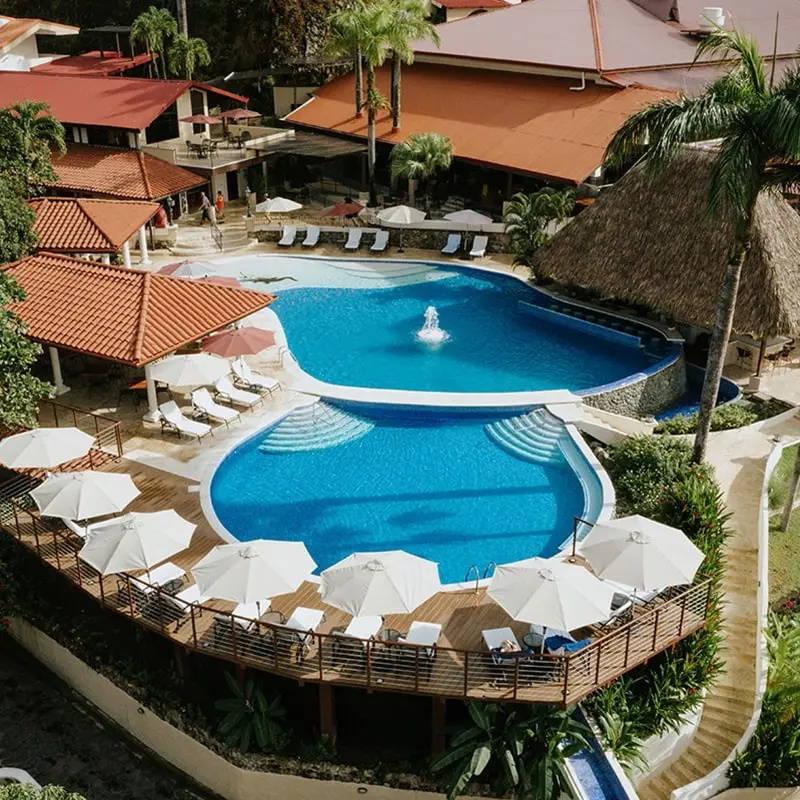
(24, 791)
(187, 53)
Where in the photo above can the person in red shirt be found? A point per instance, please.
(220, 204)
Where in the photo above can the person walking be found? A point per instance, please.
(205, 206)
(220, 206)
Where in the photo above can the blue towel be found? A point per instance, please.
(573, 647)
(557, 642)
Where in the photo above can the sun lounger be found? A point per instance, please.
(312, 236)
(380, 243)
(228, 392)
(161, 577)
(205, 406)
(173, 420)
(289, 234)
(299, 628)
(175, 607)
(349, 644)
(479, 245)
(253, 380)
(84, 531)
(453, 244)
(353, 239)
(363, 627)
(560, 645)
(637, 596)
(423, 633)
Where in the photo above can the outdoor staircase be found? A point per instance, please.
(314, 427)
(453, 203)
(198, 241)
(535, 436)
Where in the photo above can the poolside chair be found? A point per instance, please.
(289, 234)
(205, 407)
(82, 531)
(312, 236)
(248, 379)
(349, 645)
(380, 243)
(227, 391)
(172, 420)
(493, 639)
(453, 244)
(479, 245)
(298, 630)
(353, 239)
(424, 635)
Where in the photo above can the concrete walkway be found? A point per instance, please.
(739, 458)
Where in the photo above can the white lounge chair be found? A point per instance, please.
(353, 239)
(173, 420)
(363, 627)
(205, 406)
(228, 392)
(381, 242)
(479, 245)
(163, 575)
(289, 234)
(453, 245)
(84, 531)
(176, 607)
(253, 380)
(299, 627)
(312, 236)
(423, 633)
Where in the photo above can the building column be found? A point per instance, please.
(58, 380)
(143, 256)
(152, 414)
(126, 255)
(106, 258)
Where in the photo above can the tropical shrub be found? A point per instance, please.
(527, 217)
(724, 418)
(20, 791)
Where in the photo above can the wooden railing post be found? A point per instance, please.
(516, 677)
(655, 628)
(78, 570)
(160, 605)
(683, 613)
(194, 625)
(466, 673)
(102, 590)
(275, 645)
(566, 678)
(368, 645)
(320, 654)
(416, 670)
(35, 535)
(597, 669)
(627, 645)
(55, 548)
(16, 519)
(233, 637)
(130, 596)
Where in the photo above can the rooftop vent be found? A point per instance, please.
(711, 18)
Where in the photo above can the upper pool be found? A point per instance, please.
(355, 323)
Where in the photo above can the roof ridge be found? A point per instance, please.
(598, 45)
(145, 177)
(81, 204)
(144, 307)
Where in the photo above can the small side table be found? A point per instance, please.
(533, 641)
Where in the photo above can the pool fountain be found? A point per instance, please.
(430, 333)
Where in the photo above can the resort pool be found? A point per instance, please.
(435, 486)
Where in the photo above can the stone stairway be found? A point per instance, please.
(197, 241)
(535, 436)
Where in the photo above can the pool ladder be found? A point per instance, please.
(474, 568)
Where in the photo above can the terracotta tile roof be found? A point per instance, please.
(124, 315)
(14, 29)
(95, 62)
(109, 102)
(83, 225)
(118, 172)
(526, 123)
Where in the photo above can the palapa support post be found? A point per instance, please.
(327, 712)
(575, 522)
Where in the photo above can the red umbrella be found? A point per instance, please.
(240, 113)
(222, 280)
(239, 342)
(188, 268)
(202, 119)
(342, 210)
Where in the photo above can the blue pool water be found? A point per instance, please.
(689, 402)
(436, 487)
(366, 337)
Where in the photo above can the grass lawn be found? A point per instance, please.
(784, 548)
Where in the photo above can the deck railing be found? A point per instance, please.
(106, 430)
(371, 664)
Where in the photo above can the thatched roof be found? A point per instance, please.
(652, 242)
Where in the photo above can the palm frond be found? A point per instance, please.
(723, 44)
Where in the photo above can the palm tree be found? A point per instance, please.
(527, 217)
(515, 748)
(409, 22)
(28, 133)
(419, 157)
(757, 120)
(185, 54)
(152, 28)
(344, 39)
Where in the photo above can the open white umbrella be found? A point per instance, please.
(251, 571)
(189, 268)
(392, 582)
(642, 553)
(551, 593)
(44, 448)
(401, 215)
(468, 217)
(83, 495)
(136, 541)
(277, 205)
(190, 371)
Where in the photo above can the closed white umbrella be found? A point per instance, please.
(551, 593)
(136, 541)
(401, 215)
(189, 268)
(190, 371)
(83, 495)
(642, 553)
(468, 217)
(277, 205)
(44, 448)
(392, 582)
(251, 571)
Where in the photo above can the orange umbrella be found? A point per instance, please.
(202, 119)
(239, 342)
(342, 210)
(222, 280)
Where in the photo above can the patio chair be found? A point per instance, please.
(289, 235)
(561, 645)
(380, 243)
(494, 639)
(312, 236)
(253, 380)
(479, 245)
(298, 629)
(353, 239)
(172, 420)
(229, 393)
(453, 245)
(424, 635)
(82, 531)
(206, 408)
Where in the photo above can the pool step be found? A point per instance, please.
(535, 436)
(382, 270)
(314, 427)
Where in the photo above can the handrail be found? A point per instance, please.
(216, 235)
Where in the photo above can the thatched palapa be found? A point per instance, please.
(651, 241)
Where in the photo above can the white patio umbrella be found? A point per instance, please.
(468, 217)
(251, 571)
(136, 541)
(83, 495)
(190, 268)
(190, 371)
(392, 582)
(44, 448)
(642, 553)
(551, 593)
(401, 215)
(277, 205)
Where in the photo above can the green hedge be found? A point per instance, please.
(724, 418)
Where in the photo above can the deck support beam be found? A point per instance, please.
(438, 727)
(327, 712)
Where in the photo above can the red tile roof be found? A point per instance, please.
(82, 225)
(526, 123)
(95, 62)
(14, 29)
(123, 315)
(127, 103)
(117, 172)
